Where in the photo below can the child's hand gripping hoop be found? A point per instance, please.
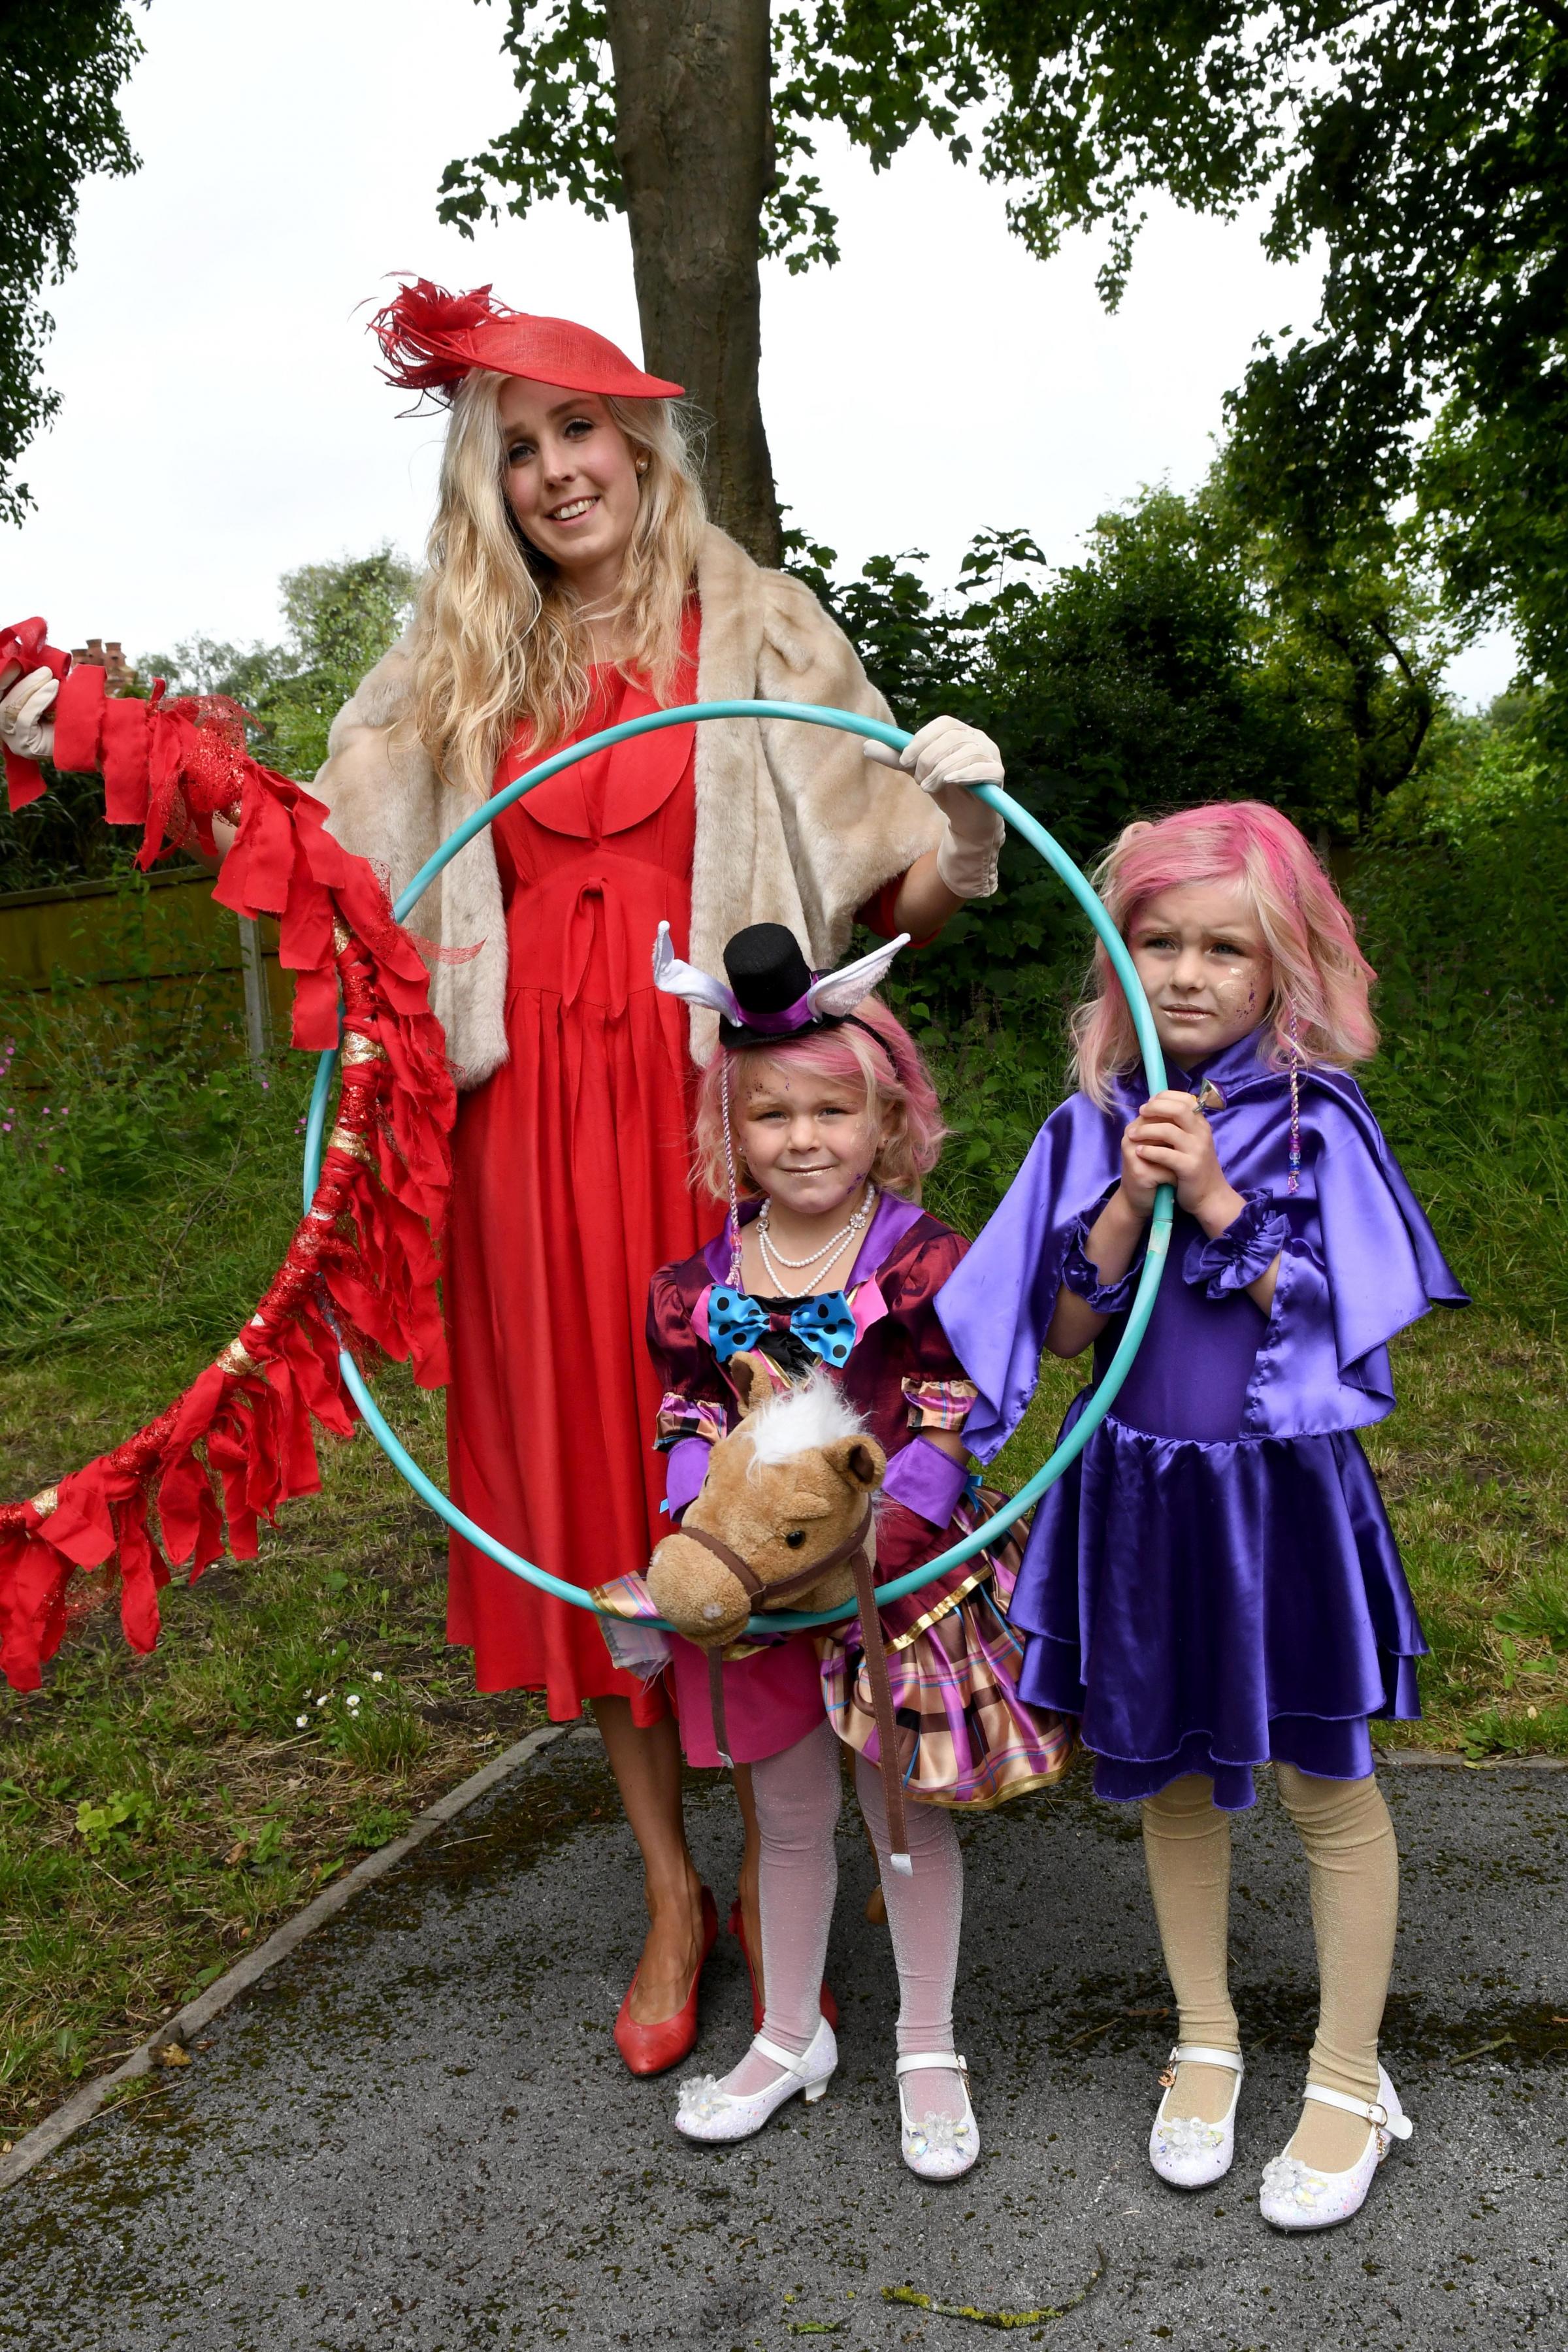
(1022, 822)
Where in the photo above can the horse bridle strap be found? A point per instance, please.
(853, 1550)
(751, 1584)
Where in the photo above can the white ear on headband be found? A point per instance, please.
(677, 978)
(838, 992)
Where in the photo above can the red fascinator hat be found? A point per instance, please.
(431, 341)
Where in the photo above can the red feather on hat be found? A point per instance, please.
(418, 332)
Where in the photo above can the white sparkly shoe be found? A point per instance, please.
(938, 2147)
(1183, 2150)
(708, 2112)
(1294, 2197)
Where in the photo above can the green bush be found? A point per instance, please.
(1469, 939)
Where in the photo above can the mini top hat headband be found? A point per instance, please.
(432, 339)
(771, 994)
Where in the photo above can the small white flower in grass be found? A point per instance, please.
(353, 1698)
(301, 1722)
(378, 1677)
(322, 1700)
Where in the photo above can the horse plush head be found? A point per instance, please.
(790, 1486)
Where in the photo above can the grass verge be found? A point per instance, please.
(160, 1815)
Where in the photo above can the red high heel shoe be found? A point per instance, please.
(738, 1930)
(654, 2048)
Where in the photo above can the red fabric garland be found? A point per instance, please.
(241, 1440)
(23, 646)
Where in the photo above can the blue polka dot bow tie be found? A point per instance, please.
(825, 1326)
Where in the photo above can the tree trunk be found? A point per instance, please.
(694, 141)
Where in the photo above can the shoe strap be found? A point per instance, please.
(792, 2062)
(1372, 2110)
(1197, 2053)
(922, 2060)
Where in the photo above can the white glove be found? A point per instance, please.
(23, 726)
(945, 759)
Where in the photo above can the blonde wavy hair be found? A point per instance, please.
(498, 635)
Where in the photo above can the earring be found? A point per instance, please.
(642, 467)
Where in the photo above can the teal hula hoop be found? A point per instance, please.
(1105, 1392)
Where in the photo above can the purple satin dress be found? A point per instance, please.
(1215, 1582)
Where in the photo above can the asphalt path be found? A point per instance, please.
(415, 2135)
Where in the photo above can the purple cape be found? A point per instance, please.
(1215, 1582)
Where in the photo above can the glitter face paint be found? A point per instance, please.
(1201, 956)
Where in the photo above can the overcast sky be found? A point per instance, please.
(223, 420)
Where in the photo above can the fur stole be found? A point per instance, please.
(793, 824)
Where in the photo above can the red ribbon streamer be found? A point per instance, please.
(363, 1267)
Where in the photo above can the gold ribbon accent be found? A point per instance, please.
(944, 1607)
(46, 1500)
(358, 1048)
(238, 1359)
(342, 935)
(341, 1140)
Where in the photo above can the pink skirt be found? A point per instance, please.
(771, 1699)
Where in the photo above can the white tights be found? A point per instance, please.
(797, 1798)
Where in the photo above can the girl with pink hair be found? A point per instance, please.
(817, 1118)
(1215, 1584)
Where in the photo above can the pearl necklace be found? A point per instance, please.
(776, 1263)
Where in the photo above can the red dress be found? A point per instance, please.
(572, 1184)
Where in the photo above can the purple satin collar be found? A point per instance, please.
(891, 1221)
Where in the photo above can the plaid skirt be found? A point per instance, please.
(965, 1737)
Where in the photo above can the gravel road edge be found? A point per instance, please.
(58, 2125)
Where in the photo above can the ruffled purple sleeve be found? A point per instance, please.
(997, 1304)
(693, 1412)
(1081, 1276)
(1247, 1248)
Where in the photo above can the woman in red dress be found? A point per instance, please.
(573, 581)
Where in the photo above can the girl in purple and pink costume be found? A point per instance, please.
(820, 1115)
(1215, 1584)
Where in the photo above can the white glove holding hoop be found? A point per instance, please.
(945, 759)
(23, 726)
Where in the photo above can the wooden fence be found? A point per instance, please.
(149, 957)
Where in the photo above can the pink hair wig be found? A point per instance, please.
(890, 1071)
(1320, 975)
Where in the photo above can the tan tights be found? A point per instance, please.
(1353, 1867)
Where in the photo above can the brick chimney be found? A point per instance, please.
(109, 656)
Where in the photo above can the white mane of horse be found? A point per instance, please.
(801, 1421)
